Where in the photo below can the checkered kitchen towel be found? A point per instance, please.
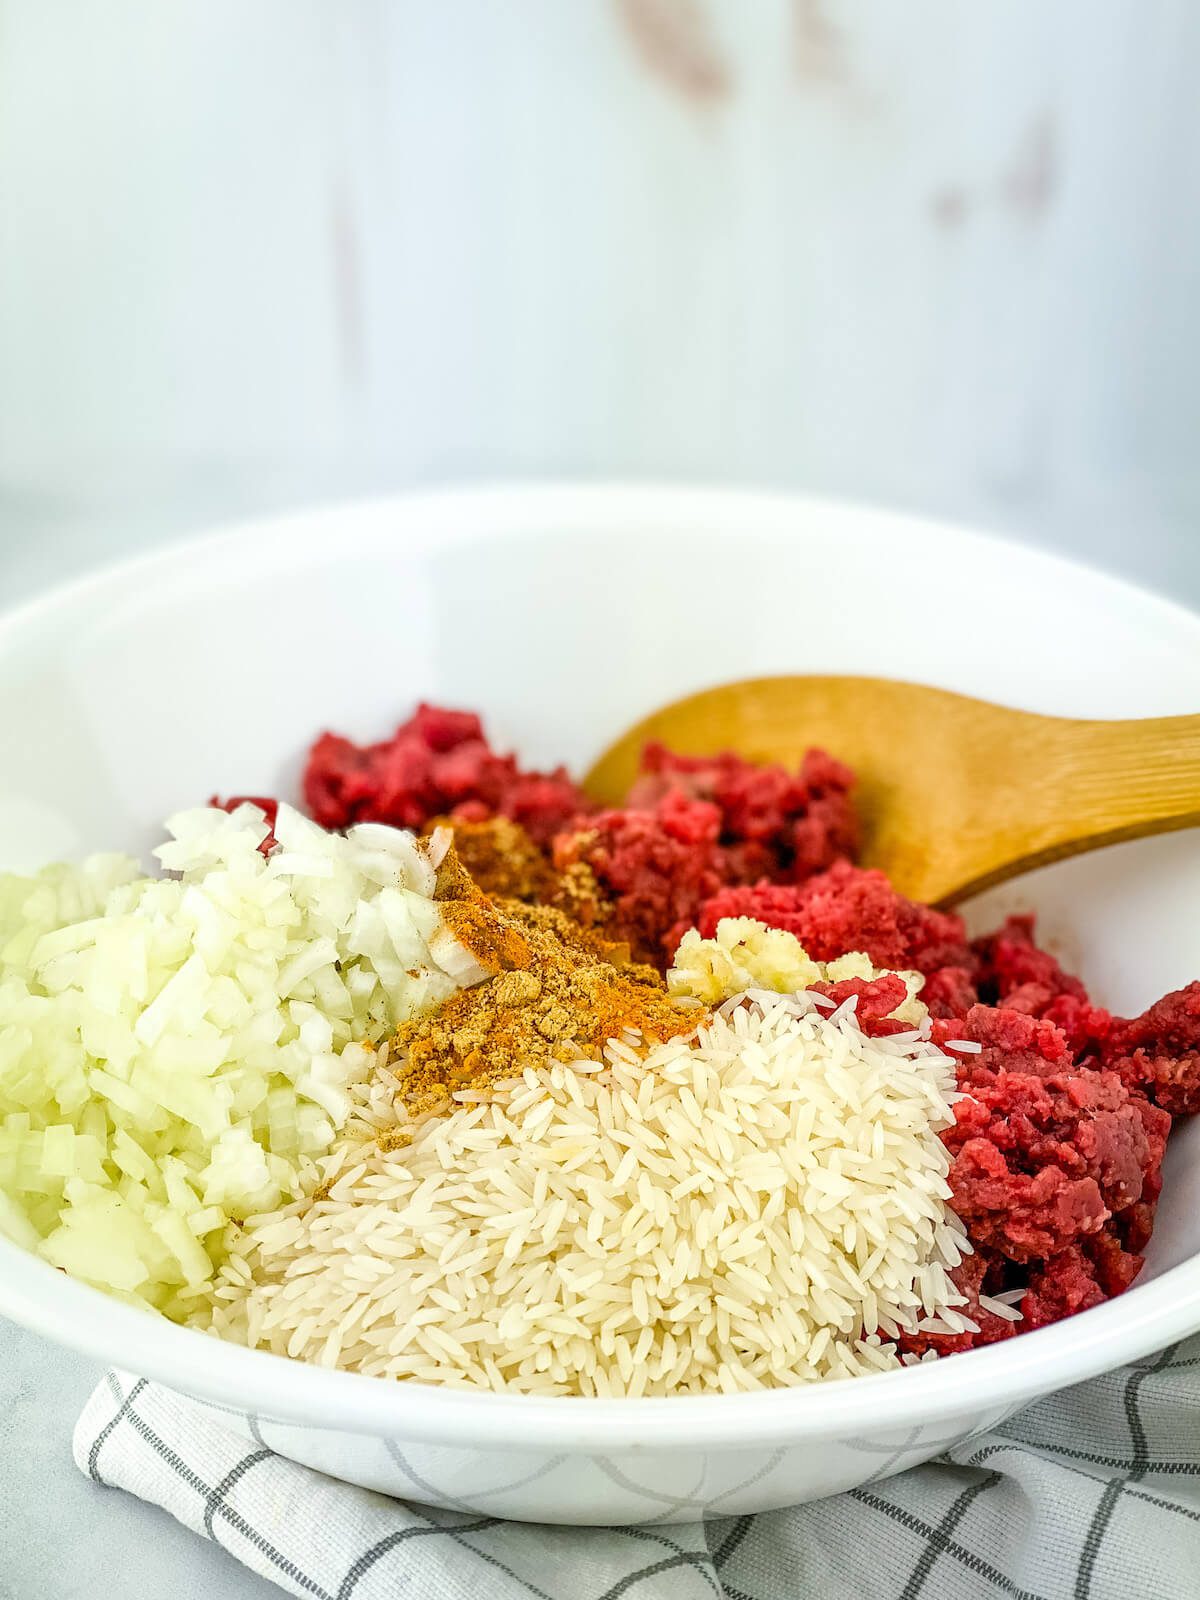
(1093, 1494)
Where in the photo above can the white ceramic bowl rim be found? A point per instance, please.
(1145, 1319)
(32, 1293)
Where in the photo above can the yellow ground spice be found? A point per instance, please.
(559, 993)
(501, 858)
(506, 864)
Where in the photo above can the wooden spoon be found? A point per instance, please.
(955, 794)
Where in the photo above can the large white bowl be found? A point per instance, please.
(564, 614)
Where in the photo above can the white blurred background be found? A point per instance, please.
(934, 254)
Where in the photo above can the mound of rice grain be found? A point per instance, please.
(760, 1206)
(175, 1051)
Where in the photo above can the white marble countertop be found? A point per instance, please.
(62, 1537)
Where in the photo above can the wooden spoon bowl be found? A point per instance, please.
(955, 794)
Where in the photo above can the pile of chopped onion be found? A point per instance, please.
(175, 1052)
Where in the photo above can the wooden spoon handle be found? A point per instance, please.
(954, 794)
(1127, 774)
(1072, 786)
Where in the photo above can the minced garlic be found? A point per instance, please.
(746, 954)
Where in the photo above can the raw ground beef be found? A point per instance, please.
(1060, 1287)
(877, 999)
(694, 824)
(1040, 1162)
(652, 870)
(1015, 973)
(1057, 1165)
(438, 763)
(1011, 964)
(774, 823)
(1085, 1275)
(1008, 1041)
(1159, 1051)
(850, 908)
(949, 991)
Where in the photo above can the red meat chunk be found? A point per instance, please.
(1011, 960)
(877, 999)
(1056, 1169)
(1086, 1026)
(1009, 1042)
(436, 764)
(652, 870)
(1041, 1162)
(984, 1272)
(1133, 1226)
(1060, 1287)
(850, 908)
(1113, 1266)
(949, 992)
(1084, 1275)
(1028, 1215)
(1159, 1052)
(777, 824)
(1016, 973)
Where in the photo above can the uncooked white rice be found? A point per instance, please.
(762, 1205)
(1005, 1305)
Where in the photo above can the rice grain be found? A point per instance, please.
(755, 1207)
